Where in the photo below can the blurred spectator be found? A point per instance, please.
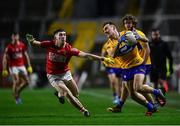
(160, 52)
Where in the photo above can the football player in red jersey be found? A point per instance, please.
(13, 57)
(59, 53)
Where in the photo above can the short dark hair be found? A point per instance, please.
(130, 17)
(154, 29)
(108, 22)
(15, 33)
(58, 30)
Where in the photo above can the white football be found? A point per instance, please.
(130, 38)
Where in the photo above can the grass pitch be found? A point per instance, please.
(42, 107)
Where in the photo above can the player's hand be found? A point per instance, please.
(4, 73)
(137, 36)
(29, 69)
(105, 63)
(30, 38)
(108, 60)
(122, 39)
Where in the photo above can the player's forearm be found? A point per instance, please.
(28, 60)
(36, 43)
(145, 57)
(93, 57)
(144, 39)
(4, 62)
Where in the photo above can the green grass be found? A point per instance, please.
(42, 107)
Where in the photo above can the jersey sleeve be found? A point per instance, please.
(140, 33)
(74, 51)
(46, 44)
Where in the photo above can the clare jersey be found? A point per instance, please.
(57, 58)
(129, 55)
(142, 47)
(15, 54)
(107, 50)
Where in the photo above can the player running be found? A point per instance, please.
(113, 70)
(133, 70)
(130, 23)
(59, 53)
(14, 59)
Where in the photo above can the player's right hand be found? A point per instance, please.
(29, 69)
(4, 73)
(30, 38)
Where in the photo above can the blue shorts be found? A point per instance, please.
(116, 71)
(148, 69)
(128, 74)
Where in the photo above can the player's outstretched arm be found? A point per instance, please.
(90, 56)
(95, 57)
(31, 40)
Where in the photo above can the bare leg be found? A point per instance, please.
(15, 79)
(72, 86)
(61, 87)
(23, 83)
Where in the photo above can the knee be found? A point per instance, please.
(138, 88)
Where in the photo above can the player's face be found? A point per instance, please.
(60, 37)
(15, 38)
(155, 35)
(109, 31)
(128, 24)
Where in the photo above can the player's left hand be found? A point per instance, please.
(137, 36)
(30, 38)
(108, 60)
(29, 69)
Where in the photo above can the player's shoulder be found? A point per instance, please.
(140, 32)
(21, 43)
(107, 42)
(9, 45)
(68, 46)
(110, 42)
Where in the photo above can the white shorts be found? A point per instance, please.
(59, 78)
(18, 70)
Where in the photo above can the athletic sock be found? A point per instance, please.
(120, 103)
(155, 92)
(82, 109)
(114, 94)
(149, 106)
